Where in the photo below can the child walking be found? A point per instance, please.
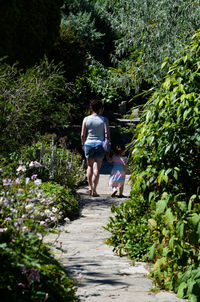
(119, 170)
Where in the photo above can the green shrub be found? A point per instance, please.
(56, 163)
(129, 228)
(166, 176)
(29, 270)
(166, 152)
(32, 102)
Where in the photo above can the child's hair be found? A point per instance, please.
(119, 149)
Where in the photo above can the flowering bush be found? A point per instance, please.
(28, 208)
(55, 163)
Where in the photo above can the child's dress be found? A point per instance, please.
(117, 175)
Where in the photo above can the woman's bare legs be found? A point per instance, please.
(93, 169)
(90, 162)
(95, 178)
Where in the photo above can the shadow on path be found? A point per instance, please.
(106, 167)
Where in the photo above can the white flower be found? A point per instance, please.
(25, 229)
(47, 212)
(38, 181)
(54, 218)
(36, 212)
(37, 164)
(18, 181)
(31, 165)
(1, 200)
(27, 180)
(29, 207)
(42, 222)
(34, 177)
(67, 220)
(54, 210)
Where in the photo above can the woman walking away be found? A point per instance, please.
(92, 137)
(119, 170)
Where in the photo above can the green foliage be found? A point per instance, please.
(175, 249)
(71, 50)
(56, 163)
(166, 152)
(84, 27)
(29, 29)
(31, 102)
(29, 270)
(129, 228)
(165, 29)
(141, 35)
(91, 26)
(165, 174)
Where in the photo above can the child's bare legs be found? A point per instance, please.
(114, 189)
(121, 189)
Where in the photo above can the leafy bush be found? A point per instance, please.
(46, 202)
(165, 174)
(31, 102)
(166, 152)
(129, 228)
(29, 271)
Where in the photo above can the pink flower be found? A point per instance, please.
(21, 168)
(7, 182)
(34, 164)
(34, 176)
(21, 284)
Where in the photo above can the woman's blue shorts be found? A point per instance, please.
(94, 150)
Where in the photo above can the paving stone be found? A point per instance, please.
(101, 275)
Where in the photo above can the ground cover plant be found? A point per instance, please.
(160, 223)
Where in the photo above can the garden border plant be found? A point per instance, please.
(30, 209)
(166, 176)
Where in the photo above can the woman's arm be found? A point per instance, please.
(83, 132)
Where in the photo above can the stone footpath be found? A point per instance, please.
(101, 275)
